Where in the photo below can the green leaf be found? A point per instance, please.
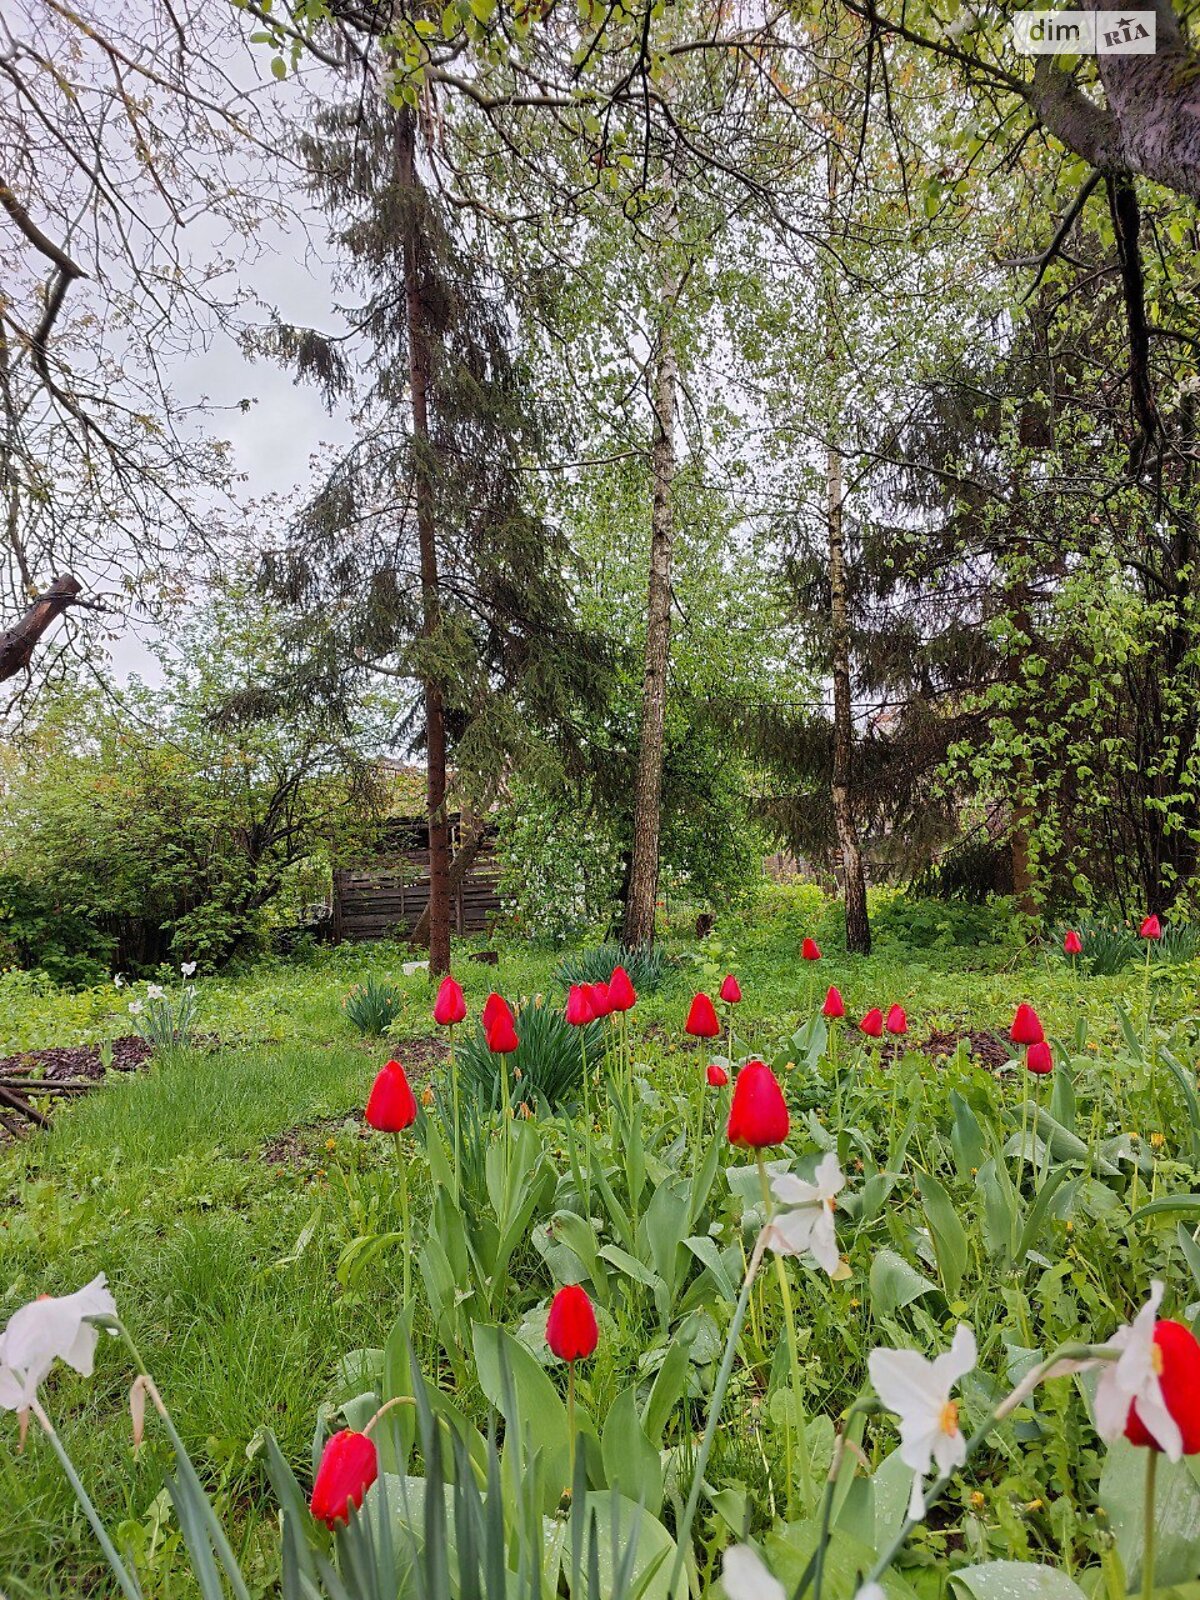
(1177, 1514)
(511, 1378)
(895, 1284)
(1013, 1580)
(949, 1235)
(631, 1463)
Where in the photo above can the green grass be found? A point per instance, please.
(225, 1265)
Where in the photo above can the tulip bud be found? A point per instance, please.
(579, 1006)
(834, 1005)
(1038, 1058)
(810, 950)
(702, 1019)
(349, 1466)
(1026, 1027)
(502, 1036)
(1072, 943)
(716, 1075)
(1151, 928)
(758, 1113)
(872, 1023)
(622, 996)
(390, 1105)
(493, 1007)
(598, 995)
(450, 1006)
(897, 1022)
(731, 990)
(571, 1330)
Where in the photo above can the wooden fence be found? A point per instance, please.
(384, 896)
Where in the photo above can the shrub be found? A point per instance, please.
(647, 969)
(549, 1058)
(372, 1006)
(38, 932)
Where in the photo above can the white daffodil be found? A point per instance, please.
(188, 969)
(746, 1578)
(49, 1330)
(118, 981)
(871, 1591)
(135, 1008)
(807, 1222)
(1134, 1376)
(155, 991)
(918, 1391)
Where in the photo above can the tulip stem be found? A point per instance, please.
(1148, 1531)
(571, 1421)
(454, 1095)
(407, 1278)
(128, 1587)
(684, 1531)
(785, 1294)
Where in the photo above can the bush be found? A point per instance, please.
(647, 969)
(549, 1059)
(372, 1006)
(926, 924)
(37, 932)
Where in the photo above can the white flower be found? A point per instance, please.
(188, 969)
(871, 1591)
(1134, 1376)
(746, 1578)
(49, 1330)
(918, 1391)
(135, 1008)
(118, 981)
(155, 992)
(807, 1224)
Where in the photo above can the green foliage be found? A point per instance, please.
(648, 968)
(547, 1066)
(942, 924)
(165, 1020)
(372, 1006)
(38, 932)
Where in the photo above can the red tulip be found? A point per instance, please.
(622, 996)
(758, 1113)
(600, 999)
(1026, 1027)
(1038, 1058)
(571, 1330)
(502, 1036)
(1178, 1362)
(810, 950)
(717, 1076)
(1073, 944)
(495, 1006)
(579, 1006)
(731, 990)
(702, 1019)
(349, 1466)
(1151, 928)
(834, 1005)
(390, 1104)
(897, 1022)
(872, 1023)
(450, 1006)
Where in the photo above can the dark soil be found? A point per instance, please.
(63, 1063)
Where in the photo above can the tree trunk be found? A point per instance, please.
(464, 859)
(854, 883)
(419, 377)
(647, 794)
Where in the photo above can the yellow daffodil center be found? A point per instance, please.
(948, 1420)
(1156, 1359)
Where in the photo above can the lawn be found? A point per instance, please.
(223, 1192)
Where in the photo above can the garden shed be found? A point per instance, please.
(384, 894)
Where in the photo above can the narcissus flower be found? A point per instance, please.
(450, 1006)
(834, 1004)
(390, 1105)
(918, 1391)
(579, 1006)
(744, 1577)
(50, 1329)
(495, 1006)
(758, 1113)
(1151, 1393)
(702, 1019)
(897, 1022)
(717, 1076)
(1072, 943)
(810, 950)
(349, 1466)
(502, 1036)
(622, 996)
(1038, 1058)
(1151, 928)
(571, 1330)
(872, 1023)
(731, 990)
(1026, 1026)
(806, 1223)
